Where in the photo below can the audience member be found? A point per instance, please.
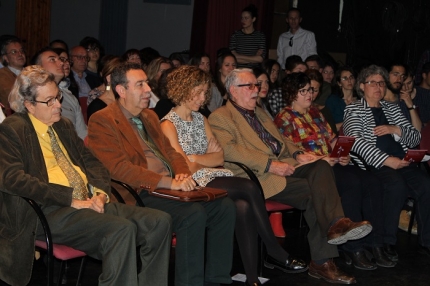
(314, 62)
(85, 81)
(396, 77)
(107, 97)
(225, 63)
(13, 59)
(154, 71)
(360, 191)
(126, 137)
(55, 62)
(247, 44)
(382, 137)
(344, 94)
(132, 56)
(43, 159)
(296, 41)
(202, 61)
(328, 72)
(242, 128)
(95, 53)
(177, 59)
(422, 97)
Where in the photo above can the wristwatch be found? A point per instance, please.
(413, 107)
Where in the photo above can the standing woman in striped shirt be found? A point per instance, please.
(247, 44)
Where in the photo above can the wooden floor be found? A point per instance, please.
(413, 267)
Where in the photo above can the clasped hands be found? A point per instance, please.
(96, 203)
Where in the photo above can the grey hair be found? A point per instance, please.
(232, 78)
(369, 71)
(26, 86)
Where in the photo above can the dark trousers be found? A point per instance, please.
(312, 188)
(190, 221)
(398, 185)
(113, 236)
(361, 194)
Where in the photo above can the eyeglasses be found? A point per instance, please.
(64, 60)
(373, 83)
(14, 52)
(251, 86)
(305, 91)
(397, 74)
(291, 41)
(52, 101)
(95, 50)
(345, 78)
(81, 58)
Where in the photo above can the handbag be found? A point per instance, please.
(199, 194)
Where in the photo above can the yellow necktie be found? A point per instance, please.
(80, 192)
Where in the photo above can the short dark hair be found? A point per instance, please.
(130, 53)
(291, 85)
(4, 42)
(36, 59)
(61, 42)
(315, 58)
(90, 42)
(426, 68)
(292, 61)
(294, 10)
(177, 57)
(148, 54)
(252, 10)
(391, 65)
(119, 76)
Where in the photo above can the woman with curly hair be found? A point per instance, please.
(190, 134)
(361, 192)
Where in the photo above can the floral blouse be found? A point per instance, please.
(310, 132)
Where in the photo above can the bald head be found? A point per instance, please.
(80, 59)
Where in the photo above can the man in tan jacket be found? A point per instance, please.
(249, 136)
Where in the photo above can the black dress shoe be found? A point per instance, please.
(291, 265)
(360, 261)
(382, 259)
(390, 252)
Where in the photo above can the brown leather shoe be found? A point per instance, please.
(330, 273)
(345, 229)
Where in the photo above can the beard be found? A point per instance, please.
(394, 89)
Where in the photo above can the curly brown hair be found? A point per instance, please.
(291, 85)
(181, 82)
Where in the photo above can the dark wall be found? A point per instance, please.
(371, 31)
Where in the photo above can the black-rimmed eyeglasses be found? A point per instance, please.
(52, 101)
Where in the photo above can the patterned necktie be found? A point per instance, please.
(80, 192)
(150, 143)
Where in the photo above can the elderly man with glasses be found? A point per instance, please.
(43, 159)
(249, 136)
(13, 59)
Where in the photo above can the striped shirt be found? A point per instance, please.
(248, 45)
(359, 122)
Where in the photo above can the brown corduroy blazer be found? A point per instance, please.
(242, 144)
(113, 141)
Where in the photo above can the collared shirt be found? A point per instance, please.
(84, 87)
(55, 173)
(71, 109)
(303, 44)
(256, 125)
(154, 163)
(14, 70)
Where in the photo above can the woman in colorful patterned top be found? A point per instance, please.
(361, 192)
